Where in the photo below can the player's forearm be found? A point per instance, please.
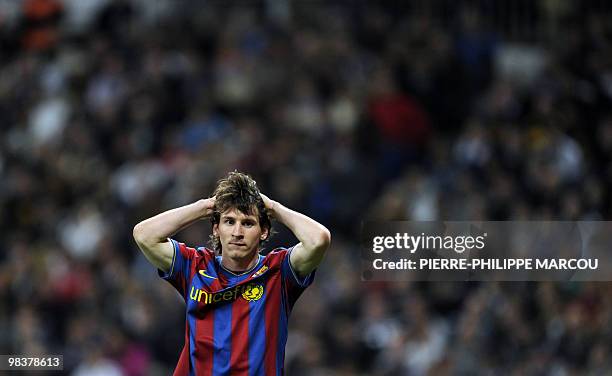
(314, 236)
(158, 228)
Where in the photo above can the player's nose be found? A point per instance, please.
(237, 230)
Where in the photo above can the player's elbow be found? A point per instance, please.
(141, 235)
(138, 233)
(323, 240)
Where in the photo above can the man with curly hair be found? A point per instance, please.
(238, 300)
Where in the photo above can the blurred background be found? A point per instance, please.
(114, 110)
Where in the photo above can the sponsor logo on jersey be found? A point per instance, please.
(203, 274)
(252, 292)
(249, 292)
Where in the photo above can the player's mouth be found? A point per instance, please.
(238, 244)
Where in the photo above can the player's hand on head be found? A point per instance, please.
(209, 207)
(268, 203)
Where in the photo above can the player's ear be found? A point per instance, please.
(215, 229)
(264, 233)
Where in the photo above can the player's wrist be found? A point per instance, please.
(205, 207)
(272, 206)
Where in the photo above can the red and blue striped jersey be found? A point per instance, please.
(235, 324)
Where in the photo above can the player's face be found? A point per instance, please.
(239, 234)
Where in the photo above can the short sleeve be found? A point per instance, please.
(180, 269)
(294, 285)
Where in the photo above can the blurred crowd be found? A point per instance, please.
(114, 110)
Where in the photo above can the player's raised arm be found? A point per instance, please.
(314, 237)
(152, 234)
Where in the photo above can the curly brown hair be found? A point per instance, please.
(239, 191)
